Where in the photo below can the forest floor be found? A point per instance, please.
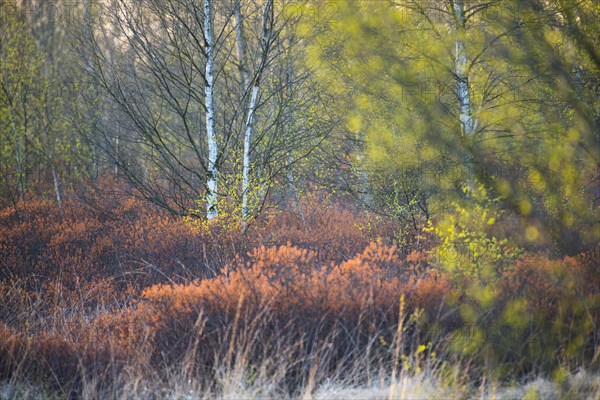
(118, 300)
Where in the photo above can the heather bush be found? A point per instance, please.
(41, 242)
(332, 232)
(133, 243)
(93, 291)
(550, 311)
(284, 290)
(519, 312)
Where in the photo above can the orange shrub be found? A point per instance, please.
(133, 244)
(545, 283)
(300, 299)
(333, 232)
(57, 362)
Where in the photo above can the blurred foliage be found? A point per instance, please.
(39, 147)
(533, 86)
(467, 250)
(519, 311)
(366, 195)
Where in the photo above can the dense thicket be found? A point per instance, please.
(89, 290)
(389, 181)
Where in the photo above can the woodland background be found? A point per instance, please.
(317, 199)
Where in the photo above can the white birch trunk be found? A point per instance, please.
(241, 44)
(247, 138)
(211, 181)
(18, 156)
(469, 125)
(56, 184)
(265, 43)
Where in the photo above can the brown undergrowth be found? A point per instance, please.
(105, 298)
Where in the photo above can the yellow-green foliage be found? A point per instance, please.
(229, 205)
(467, 250)
(392, 66)
(473, 258)
(518, 310)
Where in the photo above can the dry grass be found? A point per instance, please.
(97, 304)
(236, 384)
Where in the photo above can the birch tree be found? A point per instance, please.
(154, 63)
(31, 131)
(278, 93)
(212, 172)
(186, 85)
(265, 44)
(469, 125)
(445, 97)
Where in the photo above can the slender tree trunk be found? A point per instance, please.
(469, 125)
(241, 45)
(95, 162)
(241, 59)
(211, 182)
(290, 130)
(56, 183)
(265, 44)
(247, 137)
(116, 156)
(363, 178)
(18, 156)
(50, 156)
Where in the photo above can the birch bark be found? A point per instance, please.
(240, 44)
(468, 123)
(267, 27)
(212, 173)
(18, 156)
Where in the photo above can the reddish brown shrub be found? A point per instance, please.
(98, 252)
(82, 285)
(59, 363)
(331, 231)
(545, 283)
(134, 243)
(298, 297)
(40, 242)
